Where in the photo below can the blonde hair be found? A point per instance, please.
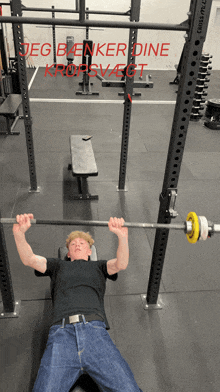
(79, 234)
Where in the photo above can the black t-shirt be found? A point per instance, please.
(77, 287)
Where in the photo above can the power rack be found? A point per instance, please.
(196, 29)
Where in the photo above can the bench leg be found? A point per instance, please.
(86, 86)
(10, 126)
(83, 190)
(79, 185)
(13, 125)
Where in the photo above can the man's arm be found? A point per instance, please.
(26, 254)
(122, 256)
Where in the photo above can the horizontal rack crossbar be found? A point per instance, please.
(64, 11)
(95, 23)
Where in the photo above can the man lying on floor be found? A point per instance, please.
(78, 340)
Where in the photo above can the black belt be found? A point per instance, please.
(77, 318)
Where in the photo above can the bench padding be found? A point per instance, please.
(10, 105)
(83, 160)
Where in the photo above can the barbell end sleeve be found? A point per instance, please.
(216, 228)
(8, 220)
(13, 220)
(188, 227)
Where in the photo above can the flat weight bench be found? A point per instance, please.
(83, 164)
(9, 109)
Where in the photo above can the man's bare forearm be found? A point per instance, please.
(122, 252)
(24, 249)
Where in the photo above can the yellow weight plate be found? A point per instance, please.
(193, 236)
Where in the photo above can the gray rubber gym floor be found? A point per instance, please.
(176, 348)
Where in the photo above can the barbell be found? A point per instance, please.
(195, 227)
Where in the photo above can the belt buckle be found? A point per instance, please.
(74, 319)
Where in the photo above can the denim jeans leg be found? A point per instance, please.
(60, 366)
(104, 363)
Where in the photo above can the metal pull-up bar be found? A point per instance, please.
(69, 11)
(66, 11)
(95, 23)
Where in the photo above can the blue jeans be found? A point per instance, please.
(83, 347)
